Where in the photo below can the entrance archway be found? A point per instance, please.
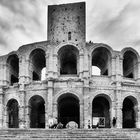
(129, 112)
(37, 112)
(12, 113)
(68, 109)
(100, 111)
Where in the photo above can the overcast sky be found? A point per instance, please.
(113, 22)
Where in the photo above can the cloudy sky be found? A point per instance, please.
(114, 22)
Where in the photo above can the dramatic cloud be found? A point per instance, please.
(114, 22)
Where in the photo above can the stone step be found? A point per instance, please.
(67, 134)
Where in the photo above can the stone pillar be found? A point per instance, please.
(138, 76)
(55, 65)
(81, 115)
(50, 67)
(47, 64)
(1, 107)
(55, 111)
(5, 118)
(137, 112)
(22, 107)
(86, 66)
(27, 116)
(87, 105)
(112, 112)
(113, 70)
(49, 105)
(118, 109)
(81, 61)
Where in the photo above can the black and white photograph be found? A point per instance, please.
(69, 70)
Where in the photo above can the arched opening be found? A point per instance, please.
(13, 113)
(101, 111)
(129, 112)
(130, 64)
(68, 59)
(68, 109)
(38, 62)
(101, 58)
(13, 68)
(37, 112)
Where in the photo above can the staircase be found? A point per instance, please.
(70, 134)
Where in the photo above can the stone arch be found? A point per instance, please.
(36, 111)
(68, 60)
(129, 111)
(101, 56)
(12, 68)
(68, 106)
(79, 48)
(13, 113)
(65, 92)
(37, 62)
(130, 62)
(101, 105)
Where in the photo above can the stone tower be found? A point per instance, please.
(66, 23)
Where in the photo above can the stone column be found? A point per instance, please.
(113, 66)
(55, 65)
(138, 76)
(81, 61)
(86, 66)
(118, 109)
(55, 112)
(137, 111)
(87, 107)
(49, 105)
(47, 64)
(5, 118)
(1, 107)
(50, 67)
(112, 112)
(22, 107)
(27, 116)
(82, 115)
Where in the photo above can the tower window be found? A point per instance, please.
(69, 35)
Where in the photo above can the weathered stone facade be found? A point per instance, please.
(69, 91)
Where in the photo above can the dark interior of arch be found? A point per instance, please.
(68, 110)
(100, 108)
(13, 118)
(13, 62)
(128, 114)
(68, 57)
(101, 59)
(38, 61)
(37, 112)
(129, 64)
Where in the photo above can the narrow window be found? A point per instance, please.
(69, 35)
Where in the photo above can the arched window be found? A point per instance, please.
(68, 59)
(37, 63)
(13, 68)
(101, 58)
(130, 64)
